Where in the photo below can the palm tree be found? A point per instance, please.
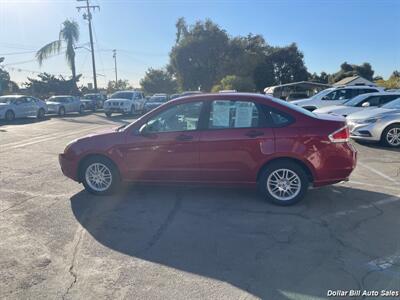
(69, 35)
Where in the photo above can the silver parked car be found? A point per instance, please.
(64, 104)
(20, 106)
(359, 103)
(155, 101)
(379, 124)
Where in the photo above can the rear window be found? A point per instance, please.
(293, 106)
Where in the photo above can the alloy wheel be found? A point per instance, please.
(393, 136)
(284, 184)
(98, 176)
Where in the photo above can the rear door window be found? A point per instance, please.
(233, 114)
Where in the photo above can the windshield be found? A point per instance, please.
(7, 100)
(356, 100)
(294, 107)
(393, 104)
(158, 99)
(123, 95)
(57, 99)
(322, 93)
(90, 97)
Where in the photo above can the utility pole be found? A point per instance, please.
(115, 66)
(88, 16)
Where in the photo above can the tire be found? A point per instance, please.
(81, 109)
(41, 113)
(108, 114)
(94, 109)
(61, 111)
(132, 111)
(110, 171)
(272, 192)
(10, 116)
(391, 136)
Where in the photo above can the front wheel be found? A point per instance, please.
(61, 111)
(283, 183)
(132, 112)
(108, 114)
(81, 109)
(40, 114)
(10, 116)
(391, 136)
(99, 176)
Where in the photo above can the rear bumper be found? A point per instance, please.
(337, 166)
(68, 167)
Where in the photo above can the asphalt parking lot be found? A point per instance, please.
(57, 241)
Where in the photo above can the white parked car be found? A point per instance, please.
(20, 106)
(359, 103)
(125, 102)
(334, 96)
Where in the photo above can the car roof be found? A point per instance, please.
(58, 96)
(357, 87)
(14, 96)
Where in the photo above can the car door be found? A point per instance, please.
(166, 148)
(22, 107)
(237, 139)
(32, 107)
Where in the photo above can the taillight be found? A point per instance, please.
(341, 135)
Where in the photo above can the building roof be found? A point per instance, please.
(350, 79)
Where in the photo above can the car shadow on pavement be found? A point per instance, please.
(231, 235)
(378, 146)
(24, 121)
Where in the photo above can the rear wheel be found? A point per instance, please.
(41, 113)
(108, 114)
(99, 175)
(391, 136)
(283, 183)
(81, 109)
(61, 111)
(10, 116)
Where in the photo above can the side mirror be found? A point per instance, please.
(366, 104)
(324, 98)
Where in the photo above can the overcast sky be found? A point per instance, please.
(328, 32)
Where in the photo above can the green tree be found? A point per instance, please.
(198, 57)
(69, 35)
(393, 82)
(6, 85)
(288, 63)
(122, 84)
(158, 81)
(46, 85)
(365, 70)
(237, 83)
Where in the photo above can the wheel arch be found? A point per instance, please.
(91, 155)
(384, 130)
(307, 169)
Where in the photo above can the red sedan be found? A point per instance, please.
(226, 139)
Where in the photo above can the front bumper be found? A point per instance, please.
(69, 167)
(366, 131)
(117, 109)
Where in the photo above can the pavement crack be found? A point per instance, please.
(164, 226)
(17, 204)
(71, 268)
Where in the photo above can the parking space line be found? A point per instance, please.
(383, 201)
(375, 185)
(48, 139)
(378, 172)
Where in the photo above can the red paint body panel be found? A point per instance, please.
(218, 156)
